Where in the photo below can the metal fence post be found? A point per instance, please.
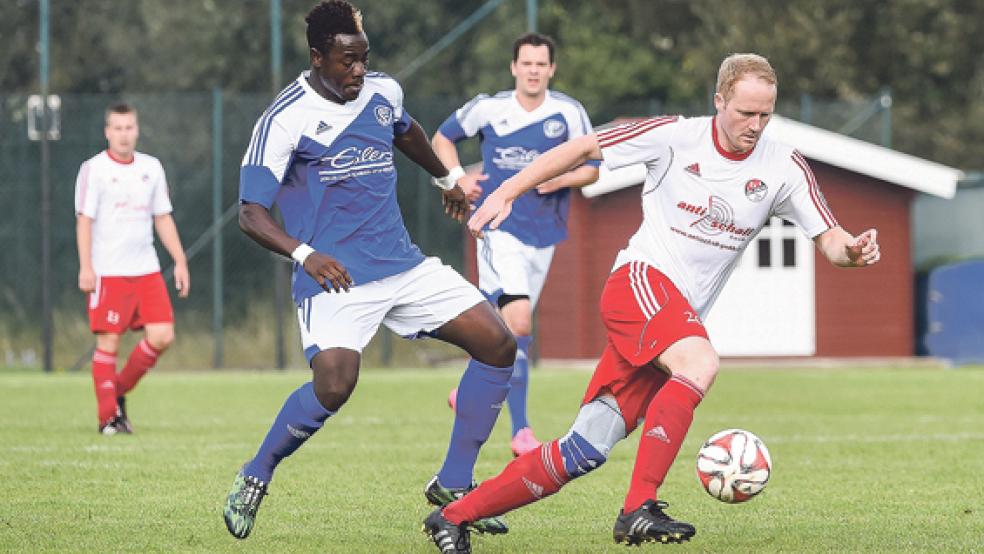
(217, 208)
(280, 277)
(47, 323)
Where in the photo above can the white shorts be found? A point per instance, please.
(412, 304)
(506, 265)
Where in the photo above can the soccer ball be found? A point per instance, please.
(733, 465)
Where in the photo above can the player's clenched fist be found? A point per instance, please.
(456, 204)
(864, 251)
(328, 272)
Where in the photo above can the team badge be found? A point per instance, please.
(755, 190)
(384, 115)
(553, 128)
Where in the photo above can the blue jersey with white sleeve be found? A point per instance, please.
(330, 169)
(511, 139)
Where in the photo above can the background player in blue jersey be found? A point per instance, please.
(323, 151)
(515, 127)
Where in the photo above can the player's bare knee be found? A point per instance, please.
(503, 354)
(161, 339)
(334, 383)
(108, 342)
(333, 394)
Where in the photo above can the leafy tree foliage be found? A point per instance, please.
(616, 56)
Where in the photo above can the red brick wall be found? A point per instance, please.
(866, 312)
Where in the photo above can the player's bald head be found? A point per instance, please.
(330, 18)
(736, 66)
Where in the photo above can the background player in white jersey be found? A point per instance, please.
(711, 184)
(515, 126)
(324, 152)
(120, 198)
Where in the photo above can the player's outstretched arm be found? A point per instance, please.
(167, 231)
(845, 250)
(413, 143)
(575, 178)
(549, 165)
(255, 220)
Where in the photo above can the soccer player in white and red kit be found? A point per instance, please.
(120, 197)
(711, 184)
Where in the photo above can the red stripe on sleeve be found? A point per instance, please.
(611, 137)
(818, 200)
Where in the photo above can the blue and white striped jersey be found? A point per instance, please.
(330, 169)
(512, 138)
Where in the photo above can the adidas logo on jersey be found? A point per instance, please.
(322, 127)
(693, 169)
(658, 433)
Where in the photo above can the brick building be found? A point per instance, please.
(784, 298)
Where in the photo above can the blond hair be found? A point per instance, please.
(736, 66)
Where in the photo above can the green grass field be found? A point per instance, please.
(873, 460)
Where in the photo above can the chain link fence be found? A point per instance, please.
(200, 139)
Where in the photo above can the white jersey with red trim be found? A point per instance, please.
(702, 205)
(122, 199)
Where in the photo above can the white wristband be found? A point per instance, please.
(450, 180)
(301, 253)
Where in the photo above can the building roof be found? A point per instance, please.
(830, 148)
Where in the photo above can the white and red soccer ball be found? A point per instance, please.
(733, 465)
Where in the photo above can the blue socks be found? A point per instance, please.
(482, 391)
(300, 417)
(519, 383)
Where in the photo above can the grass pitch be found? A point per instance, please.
(872, 460)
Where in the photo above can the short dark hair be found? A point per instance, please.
(119, 107)
(533, 39)
(330, 18)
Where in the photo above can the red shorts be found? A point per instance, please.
(644, 314)
(121, 303)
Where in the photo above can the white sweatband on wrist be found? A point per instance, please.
(301, 253)
(450, 180)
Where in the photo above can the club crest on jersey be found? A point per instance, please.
(553, 128)
(384, 115)
(755, 190)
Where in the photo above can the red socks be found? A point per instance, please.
(528, 478)
(143, 357)
(668, 419)
(104, 380)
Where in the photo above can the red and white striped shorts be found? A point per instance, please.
(644, 314)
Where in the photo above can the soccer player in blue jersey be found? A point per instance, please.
(323, 151)
(515, 127)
